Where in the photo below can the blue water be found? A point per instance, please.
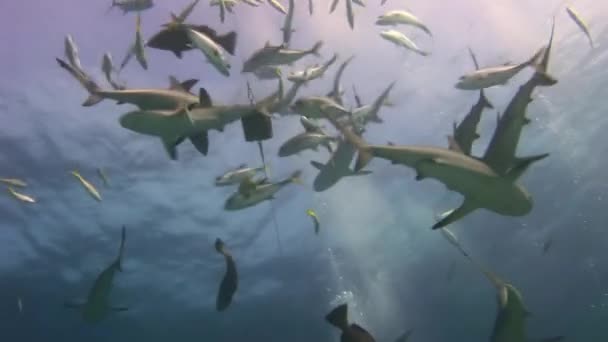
(375, 250)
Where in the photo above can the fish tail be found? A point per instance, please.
(228, 42)
(118, 262)
(85, 81)
(315, 49)
(541, 62)
(379, 103)
(338, 317)
(484, 100)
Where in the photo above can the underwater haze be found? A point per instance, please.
(375, 249)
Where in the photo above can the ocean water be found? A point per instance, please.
(375, 250)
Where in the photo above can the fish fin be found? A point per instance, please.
(228, 42)
(170, 145)
(472, 54)
(541, 75)
(219, 245)
(315, 49)
(522, 164)
(188, 84)
(453, 215)
(201, 142)
(484, 100)
(359, 329)
(85, 81)
(364, 156)
(177, 53)
(204, 99)
(453, 144)
(338, 317)
(316, 165)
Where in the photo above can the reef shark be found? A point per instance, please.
(96, 307)
(489, 182)
(336, 168)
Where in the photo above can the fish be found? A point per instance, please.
(145, 99)
(97, 307)
(14, 182)
(88, 186)
(177, 40)
(311, 7)
(107, 66)
(287, 28)
(71, 52)
(493, 76)
(394, 18)
(268, 73)
(547, 245)
(338, 317)
(350, 14)
(20, 196)
(229, 283)
(103, 176)
(132, 5)
(315, 219)
(312, 73)
(211, 50)
(224, 5)
(283, 106)
(336, 92)
(359, 2)
(333, 6)
(318, 107)
(305, 141)
(19, 304)
(401, 39)
(277, 5)
(465, 133)
(179, 19)
(336, 168)
(364, 114)
(277, 55)
(405, 336)
(251, 3)
(580, 23)
(251, 194)
(480, 185)
(453, 240)
(236, 176)
(140, 52)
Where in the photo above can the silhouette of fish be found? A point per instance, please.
(176, 40)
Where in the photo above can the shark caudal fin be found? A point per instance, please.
(541, 62)
(118, 262)
(379, 103)
(85, 80)
(338, 317)
(364, 156)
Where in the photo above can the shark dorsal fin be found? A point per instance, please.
(203, 98)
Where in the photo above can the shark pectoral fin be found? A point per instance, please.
(170, 145)
(316, 165)
(74, 304)
(455, 214)
(522, 164)
(201, 142)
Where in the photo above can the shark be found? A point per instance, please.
(96, 307)
(486, 183)
(336, 168)
(336, 91)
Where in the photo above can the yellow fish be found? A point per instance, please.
(88, 186)
(315, 219)
(103, 176)
(21, 197)
(13, 182)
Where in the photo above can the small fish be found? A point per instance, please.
(251, 3)
(333, 6)
(305, 141)
(315, 219)
(312, 73)
(350, 14)
(401, 39)
(310, 125)
(103, 176)
(88, 186)
(277, 55)
(21, 197)
(107, 66)
(20, 304)
(132, 5)
(393, 18)
(251, 193)
(310, 7)
(493, 76)
(359, 2)
(13, 182)
(71, 52)
(224, 5)
(547, 245)
(277, 5)
(140, 53)
(580, 23)
(338, 317)
(234, 177)
(211, 50)
(288, 25)
(337, 92)
(229, 283)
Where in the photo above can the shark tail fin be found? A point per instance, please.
(123, 236)
(540, 61)
(338, 317)
(379, 103)
(364, 155)
(85, 81)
